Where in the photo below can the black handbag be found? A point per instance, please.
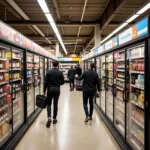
(41, 101)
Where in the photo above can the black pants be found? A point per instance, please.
(71, 81)
(53, 94)
(88, 96)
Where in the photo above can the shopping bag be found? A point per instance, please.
(41, 101)
(79, 85)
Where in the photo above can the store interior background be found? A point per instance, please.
(83, 26)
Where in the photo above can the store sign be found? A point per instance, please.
(101, 49)
(69, 59)
(138, 30)
(95, 51)
(15, 37)
(111, 43)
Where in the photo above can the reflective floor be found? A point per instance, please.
(71, 133)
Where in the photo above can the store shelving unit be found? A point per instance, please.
(129, 78)
(65, 66)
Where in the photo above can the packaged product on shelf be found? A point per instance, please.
(4, 129)
(6, 88)
(8, 98)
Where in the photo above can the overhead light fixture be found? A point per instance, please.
(141, 11)
(119, 28)
(49, 17)
(43, 5)
(145, 8)
(132, 18)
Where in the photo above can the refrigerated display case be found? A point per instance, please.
(36, 74)
(46, 65)
(119, 91)
(30, 84)
(41, 74)
(103, 82)
(130, 82)
(6, 87)
(109, 86)
(98, 70)
(17, 73)
(135, 108)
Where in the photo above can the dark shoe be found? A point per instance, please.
(91, 118)
(48, 124)
(55, 121)
(70, 89)
(87, 119)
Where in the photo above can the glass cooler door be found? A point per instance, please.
(98, 69)
(119, 93)
(135, 107)
(41, 74)
(17, 81)
(103, 82)
(109, 86)
(46, 67)
(5, 95)
(30, 84)
(36, 74)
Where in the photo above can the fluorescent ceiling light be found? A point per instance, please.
(141, 11)
(146, 7)
(120, 27)
(49, 17)
(43, 6)
(132, 18)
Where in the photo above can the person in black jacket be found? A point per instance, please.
(78, 70)
(53, 80)
(71, 76)
(91, 84)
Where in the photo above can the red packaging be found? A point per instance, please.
(6, 88)
(6, 65)
(8, 99)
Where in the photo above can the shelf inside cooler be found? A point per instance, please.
(135, 103)
(4, 120)
(137, 122)
(137, 72)
(17, 111)
(120, 70)
(2, 138)
(120, 109)
(4, 70)
(119, 60)
(3, 94)
(119, 88)
(136, 145)
(137, 137)
(18, 99)
(136, 86)
(119, 79)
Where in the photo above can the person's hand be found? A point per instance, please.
(98, 94)
(44, 94)
(76, 75)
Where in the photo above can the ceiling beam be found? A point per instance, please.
(110, 11)
(53, 36)
(55, 4)
(10, 9)
(46, 23)
(90, 40)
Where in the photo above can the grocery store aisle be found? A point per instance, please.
(71, 133)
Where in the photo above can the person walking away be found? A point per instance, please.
(53, 80)
(78, 70)
(71, 76)
(91, 84)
